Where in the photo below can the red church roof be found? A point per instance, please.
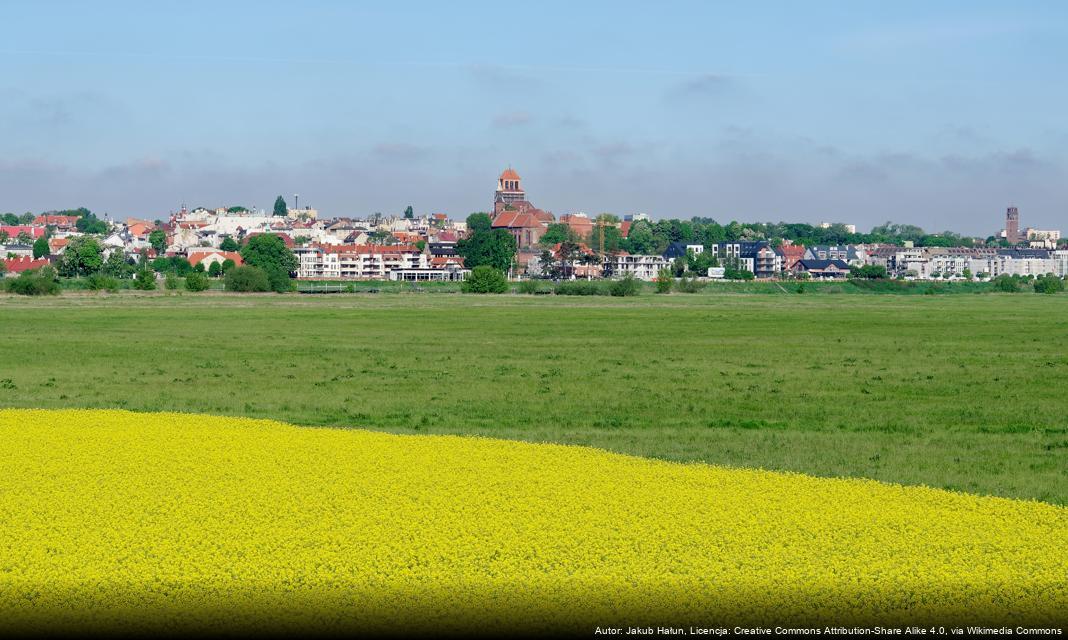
(509, 174)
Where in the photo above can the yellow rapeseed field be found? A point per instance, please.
(114, 519)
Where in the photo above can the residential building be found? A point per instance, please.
(822, 269)
(639, 266)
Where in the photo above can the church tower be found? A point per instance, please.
(509, 190)
(1012, 225)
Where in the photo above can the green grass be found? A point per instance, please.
(965, 392)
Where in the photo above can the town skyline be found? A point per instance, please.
(938, 116)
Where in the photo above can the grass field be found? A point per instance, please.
(963, 392)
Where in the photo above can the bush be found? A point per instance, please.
(171, 281)
(197, 281)
(579, 288)
(664, 280)
(35, 282)
(1007, 284)
(485, 279)
(1048, 284)
(215, 270)
(100, 282)
(533, 287)
(246, 279)
(690, 285)
(145, 280)
(626, 286)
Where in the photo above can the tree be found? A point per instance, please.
(409, 213)
(237, 210)
(158, 240)
(4, 236)
(557, 233)
(486, 246)
(664, 280)
(269, 253)
(247, 279)
(41, 248)
(82, 257)
(640, 240)
(171, 281)
(485, 279)
(145, 280)
(479, 222)
(280, 207)
(116, 265)
(24, 238)
(87, 221)
(215, 270)
(229, 244)
(3, 268)
(869, 272)
(1048, 284)
(197, 281)
(227, 265)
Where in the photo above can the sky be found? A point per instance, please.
(939, 114)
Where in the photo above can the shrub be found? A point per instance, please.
(1048, 284)
(197, 281)
(664, 281)
(215, 270)
(628, 285)
(1006, 283)
(246, 279)
(579, 288)
(171, 281)
(145, 280)
(690, 285)
(485, 279)
(532, 287)
(35, 282)
(101, 282)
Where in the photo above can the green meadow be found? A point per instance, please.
(966, 392)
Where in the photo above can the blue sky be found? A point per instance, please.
(933, 113)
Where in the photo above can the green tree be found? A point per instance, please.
(485, 245)
(409, 213)
(158, 240)
(40, 247)
(269, 253)
(227, 265)
(558, 233)
(280, 207)
(664, 281)
(485, 279)
(479, 222)
(641, 240)
(87, 221)
(4, 236)
(24, 238)
(215, 270)
(247, 279)
(116, 266)
(83, 256)
(145, 280)
(1048, 284)
(869, 272)
(170, 283)
(197, 281)
(229, 244)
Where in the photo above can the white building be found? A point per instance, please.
(638, 266)
(357, 262)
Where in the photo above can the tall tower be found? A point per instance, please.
(509, 190)
(1012, 225)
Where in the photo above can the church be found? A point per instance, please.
(512, 211)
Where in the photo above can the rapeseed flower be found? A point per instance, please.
(119, 520)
